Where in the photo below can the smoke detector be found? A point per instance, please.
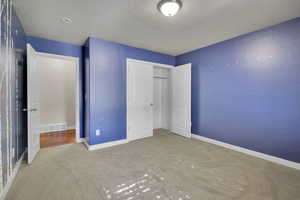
(66, 20)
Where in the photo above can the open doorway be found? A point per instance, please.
(58, 96)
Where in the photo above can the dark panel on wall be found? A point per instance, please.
(64, 49)
(12, 91)
(107, 86)
(246, 91)
(19, 63)
(86, 103)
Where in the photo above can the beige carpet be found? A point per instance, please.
(165, 166)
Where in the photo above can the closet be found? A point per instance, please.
(158, 96)
(161, 98)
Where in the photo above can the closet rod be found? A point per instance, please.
(161, 77)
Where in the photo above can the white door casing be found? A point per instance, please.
(139, 100)
(33, 112)
(180, 81)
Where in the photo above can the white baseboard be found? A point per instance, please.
(104, 145)
(12, 177)
(80, 140)
(273, 159)
(48, 128)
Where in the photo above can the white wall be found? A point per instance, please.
(57, 93)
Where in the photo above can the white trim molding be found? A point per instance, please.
(12, 177)
(80, 140)
(48, 128)
(104, 145)
(267, 157)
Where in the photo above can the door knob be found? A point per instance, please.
(30, 110)
(151, 104)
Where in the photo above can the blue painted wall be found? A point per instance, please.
(55, 47)
(64, 49)
(107, 86)
(246, 91)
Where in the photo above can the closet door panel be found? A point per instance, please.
(180, 83)
(140, 100)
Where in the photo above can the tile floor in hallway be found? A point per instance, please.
(165, 166)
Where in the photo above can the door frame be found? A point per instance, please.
(152, 64)
(77, 88)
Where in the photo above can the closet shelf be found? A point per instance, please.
(162, 77)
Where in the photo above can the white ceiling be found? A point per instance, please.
(138, 23)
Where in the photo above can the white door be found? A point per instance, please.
(180, 82)
(139, 100)
(33, 112)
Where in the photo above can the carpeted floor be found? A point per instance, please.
(165, 166)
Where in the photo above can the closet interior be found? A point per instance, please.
(161, 98)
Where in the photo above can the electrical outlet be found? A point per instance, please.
(98, 132)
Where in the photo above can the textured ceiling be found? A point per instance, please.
(138, 23)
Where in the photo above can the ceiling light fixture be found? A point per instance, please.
(169, 8)
(66, 20)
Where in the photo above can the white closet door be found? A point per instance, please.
(180, 83)
(33, 102)
(140, 100)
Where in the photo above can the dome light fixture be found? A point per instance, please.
(169, 8)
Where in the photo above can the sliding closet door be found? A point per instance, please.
(139, 100)
(180, 83)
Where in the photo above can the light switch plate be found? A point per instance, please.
(98, 132)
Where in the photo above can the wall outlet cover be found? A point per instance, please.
(98, 132)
